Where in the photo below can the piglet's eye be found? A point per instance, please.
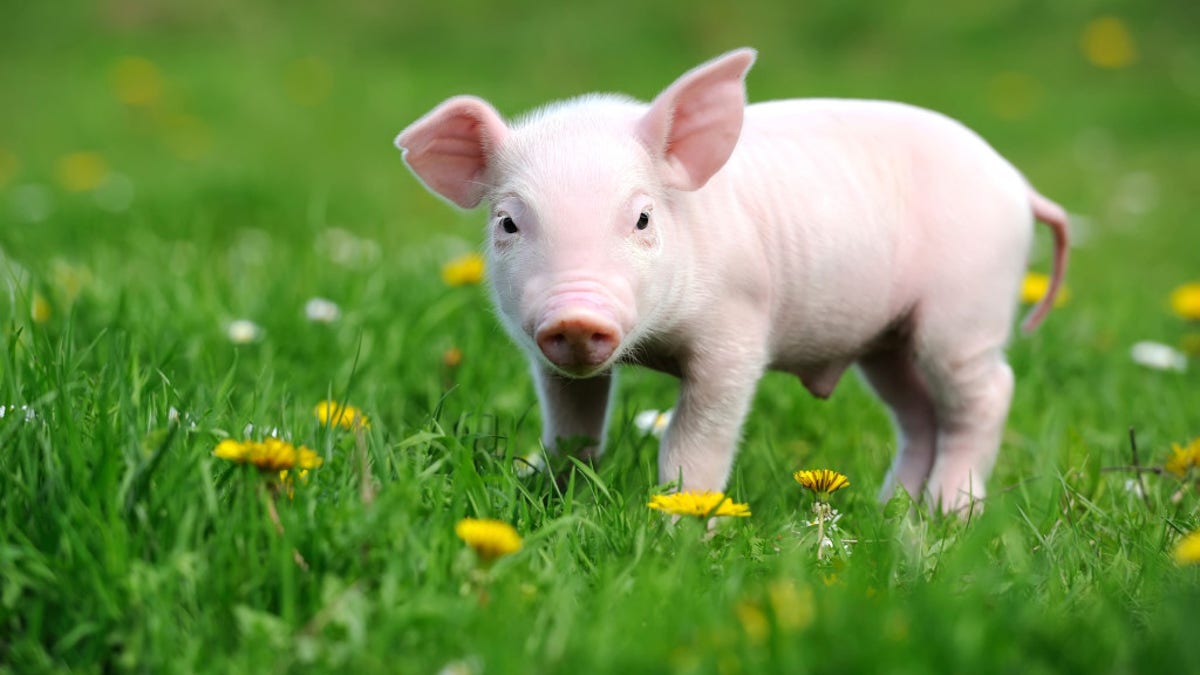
(507, 224)
(643, 221)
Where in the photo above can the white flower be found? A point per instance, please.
(322, 310)
(243, 331)
(28, 412)
(1158, 356)
(1135, 486)
(652, 422)
(273, 432)
(467, 666)
(534, 462)
(175, 418)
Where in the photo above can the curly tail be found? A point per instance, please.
(1053, 215)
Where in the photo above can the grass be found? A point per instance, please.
(263, 176)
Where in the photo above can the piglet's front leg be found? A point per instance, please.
(715, 394)
(574, 411)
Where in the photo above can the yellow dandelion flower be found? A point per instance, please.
(452, 357)
(1187, 551)
(1107, 43)
(81, 171)
(136, 81)
(39, 308)
(794, 608)
(1183, 458)
(1185, 301)
(463, 270)
(270, 455)
(754, 622)
(700, 504)
(491, 539)
(822, 482)
(1035, 286)
(332, 413)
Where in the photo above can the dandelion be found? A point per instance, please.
(1035, 286)
(652, 422)
(463, 270)
(39, 308)
(322, 310)
(1183, 458)
(332, 413)
(452, 357)
(243, 331)
(699, 504)
(1187, 551)
(81, 171)
(754, 622)
(136, 81)
(1158, 356)
(822, 482)
(1107, 43)
(269, 456)
(1185, 301)
(794, 608)
(491, 539)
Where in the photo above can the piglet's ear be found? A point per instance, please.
(694, 124)
(449, 148)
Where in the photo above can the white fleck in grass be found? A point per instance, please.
(652, 422)
(530, 463)
(1158, 356)
(243, 331)
(322, 310)
(29, 414)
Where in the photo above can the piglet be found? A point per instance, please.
(711, 239)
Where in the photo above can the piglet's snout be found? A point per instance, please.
(579, 341)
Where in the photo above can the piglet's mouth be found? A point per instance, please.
(579, 342)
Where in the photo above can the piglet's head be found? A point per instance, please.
(585, 237)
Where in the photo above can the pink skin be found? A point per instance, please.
(714, 240)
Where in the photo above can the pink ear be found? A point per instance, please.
(448, 149)
(694, 124)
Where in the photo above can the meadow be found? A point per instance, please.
(180, 181)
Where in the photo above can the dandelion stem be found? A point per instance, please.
(273, 513)
(820, 508)
(366, 482)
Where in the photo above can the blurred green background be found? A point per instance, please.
(265, 111)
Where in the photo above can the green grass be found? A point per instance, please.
(127, 546)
